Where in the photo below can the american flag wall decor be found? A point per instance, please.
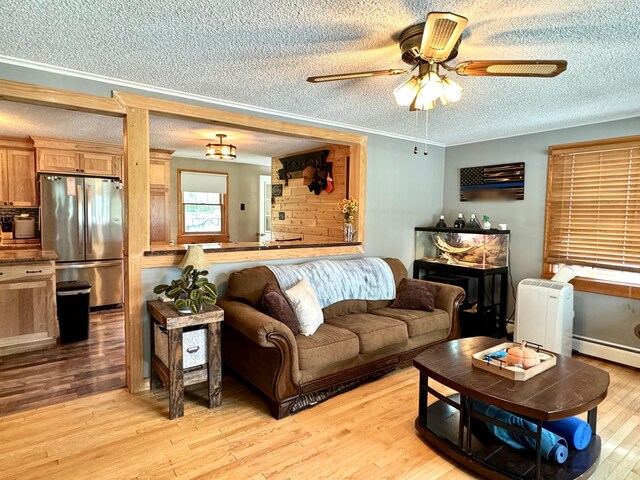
(492, 182)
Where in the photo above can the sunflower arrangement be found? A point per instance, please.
(348, 207)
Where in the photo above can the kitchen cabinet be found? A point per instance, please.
(79, 163)
(159, 216)
(27, 296)
(101, 164)
(159, 170)
(17, 176)
(78, 158)
(159, 181)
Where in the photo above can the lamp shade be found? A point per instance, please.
(451, 90)
(195, 257)
(431, 87)
(406, 92)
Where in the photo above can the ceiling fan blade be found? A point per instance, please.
(349, 76)
(442, 31)
(511, 68)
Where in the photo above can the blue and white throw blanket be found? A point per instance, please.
(335, 280)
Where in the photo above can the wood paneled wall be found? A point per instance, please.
(308, 216)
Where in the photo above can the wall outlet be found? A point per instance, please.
(280, 215)
(242, 206)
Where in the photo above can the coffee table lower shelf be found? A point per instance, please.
(492, 458)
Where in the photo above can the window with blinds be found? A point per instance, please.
(593, 205)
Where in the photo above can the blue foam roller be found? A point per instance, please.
(577, 432)
(553, 448)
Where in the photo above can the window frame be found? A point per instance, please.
(202, 237)
(586, 284)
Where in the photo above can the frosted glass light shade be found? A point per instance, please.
(422, 102)
(431, 86)
(451, 90)
(406, 93)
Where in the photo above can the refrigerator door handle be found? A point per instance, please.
(84, 265)
(89, 221)
(80, 213)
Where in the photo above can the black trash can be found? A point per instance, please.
(73, 310)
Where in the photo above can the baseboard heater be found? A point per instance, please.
(613, 352)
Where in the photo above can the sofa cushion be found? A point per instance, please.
(418, 322)
(274, 304)
(248, 284)
(373, 331)
(376, 304)
(345, 307)
(329, 345)
(416, 295)
(305, 304)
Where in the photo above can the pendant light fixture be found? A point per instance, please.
(223, 151)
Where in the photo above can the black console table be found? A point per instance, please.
(491, 313)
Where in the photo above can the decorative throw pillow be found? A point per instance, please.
(416, 295)
(305, 304)
(274, 304)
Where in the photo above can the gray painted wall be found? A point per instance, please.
(598, 316)
(244, 187)
(403, 190)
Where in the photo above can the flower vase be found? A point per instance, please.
(348, 232)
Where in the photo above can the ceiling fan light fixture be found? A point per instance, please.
(223, 151)
(422, 102)
(452, 91)
(431, 86)
(406, 92)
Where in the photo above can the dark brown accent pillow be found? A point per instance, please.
(415, 294)
(274, 304)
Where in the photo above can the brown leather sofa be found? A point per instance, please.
(360, 340)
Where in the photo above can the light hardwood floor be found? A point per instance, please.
(367, 433)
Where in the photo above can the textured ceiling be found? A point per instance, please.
(188, 139)
(260, 52)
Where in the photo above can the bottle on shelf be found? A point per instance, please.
(460, 221)
(441, 223)
(474, 223)
(486, 224)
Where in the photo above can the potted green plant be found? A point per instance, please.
(191, 292)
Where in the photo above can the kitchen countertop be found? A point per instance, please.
(243, 246)
(16, 257)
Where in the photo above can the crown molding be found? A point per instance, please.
(112, 82)
(544, 130)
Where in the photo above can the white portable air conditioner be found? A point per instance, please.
(544, 314)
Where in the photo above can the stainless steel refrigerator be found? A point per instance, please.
(81, 220)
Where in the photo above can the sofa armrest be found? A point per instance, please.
(266, 351)
(254, 324)
(449, 299)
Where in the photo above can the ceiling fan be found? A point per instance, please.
(428, 46)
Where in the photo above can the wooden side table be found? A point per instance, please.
(173, 375)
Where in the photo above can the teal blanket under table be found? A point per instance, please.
(367, 278)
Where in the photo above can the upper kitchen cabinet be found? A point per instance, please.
(159, 179)
(78, 158)
(159, 168)
(17, 173)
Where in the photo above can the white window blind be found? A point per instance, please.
(593, 206)
(203, 182)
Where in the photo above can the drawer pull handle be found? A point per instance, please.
(193, 349)
(34, 271)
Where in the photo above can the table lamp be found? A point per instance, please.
(195, 256)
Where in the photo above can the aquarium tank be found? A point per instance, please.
(482, 249)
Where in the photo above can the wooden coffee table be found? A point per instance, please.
(570, 388)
